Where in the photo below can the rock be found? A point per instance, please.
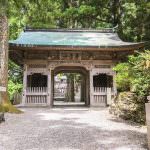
(129, 106)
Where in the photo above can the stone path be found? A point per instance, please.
(69, 129)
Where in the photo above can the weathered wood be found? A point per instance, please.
(91, 88)
(49, 84)
(98, 96)
(109, 93)
(24, 85)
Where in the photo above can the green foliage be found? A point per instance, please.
(132, 17)
(140, 72)
(133, 80)
(123, 78)
(14, 79)
(13, 88)
(135, 74)
(34, 13)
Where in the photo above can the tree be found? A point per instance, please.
(70, 95)
(3, 51)
(133, 80)
(4, 57)
(132, 17)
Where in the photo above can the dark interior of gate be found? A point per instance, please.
(70, 86)
(103, 80)
(37, 80)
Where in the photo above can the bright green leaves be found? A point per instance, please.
(135, 74)
(123, 77)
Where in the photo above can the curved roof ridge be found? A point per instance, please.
(105, 30)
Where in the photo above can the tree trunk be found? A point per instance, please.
(4, 55)
(4, 63)
(70, 96)
(116, 12)
(82, 89)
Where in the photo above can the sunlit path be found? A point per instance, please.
(69, 129)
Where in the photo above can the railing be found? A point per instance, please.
(102, 90)
(36, 95)
(102, 95)
(39, 99)
(36, 89)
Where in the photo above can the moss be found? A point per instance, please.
(1, 108)
(8, 107)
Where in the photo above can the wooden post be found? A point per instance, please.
(24, 85)
(49, 103)
(114, 83)
(91, 88)
(108, 96)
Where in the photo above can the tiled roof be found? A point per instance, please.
(84, 38)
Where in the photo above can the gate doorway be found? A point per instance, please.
(70, 86)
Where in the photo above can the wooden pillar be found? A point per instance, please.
(87, 100)
(82, 89)
(91, 88)
(108, 96)
(49, 88)
(114, 83)
(24, 84)
(52, 88)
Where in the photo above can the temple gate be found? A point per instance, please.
(43, 53)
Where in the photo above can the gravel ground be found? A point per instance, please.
(69, 129)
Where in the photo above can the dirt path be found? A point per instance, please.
(69, 129)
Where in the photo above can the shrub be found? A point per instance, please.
(134, 77)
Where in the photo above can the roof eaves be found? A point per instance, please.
(132, 46)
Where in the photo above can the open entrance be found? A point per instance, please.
(70, 86)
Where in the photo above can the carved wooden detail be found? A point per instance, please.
(37, 65)
(69, 55)
(53, 64)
